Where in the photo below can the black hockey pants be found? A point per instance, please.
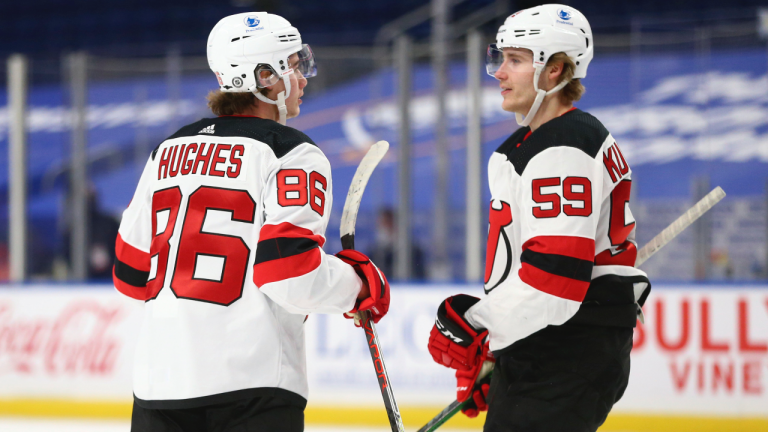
(260, 414)
(560, 379)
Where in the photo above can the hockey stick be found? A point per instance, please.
(647, 251)
(455, 406)
(680, 224)
(348, 218)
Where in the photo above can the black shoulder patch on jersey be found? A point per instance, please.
(511, 143)
(281, 139)
(576, 129)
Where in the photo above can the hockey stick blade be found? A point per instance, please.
(665, 236)
(355, 194)
(679, 225)
(348, 219)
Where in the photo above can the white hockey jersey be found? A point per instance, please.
(223, 242)
(561, 237)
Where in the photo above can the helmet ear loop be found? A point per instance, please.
(281, 97)
(261, 83)
(265, 81)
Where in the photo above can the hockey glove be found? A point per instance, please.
(454, 342)
(479, 392)
(378, 302)
(472, 390)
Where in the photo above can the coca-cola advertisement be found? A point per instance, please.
(65, 341)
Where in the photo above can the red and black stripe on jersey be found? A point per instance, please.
(281, 139)
(131, 270)
(285, 251)
(558, 265)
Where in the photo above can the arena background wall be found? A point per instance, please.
(677, 125)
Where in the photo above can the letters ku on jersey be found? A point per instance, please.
(222, 241)
(559, 219)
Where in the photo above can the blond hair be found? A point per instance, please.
(574, 89)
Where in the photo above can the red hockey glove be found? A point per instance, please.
(378, 302)
(453, 341)
(469, 389)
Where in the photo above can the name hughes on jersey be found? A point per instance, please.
(185, 159)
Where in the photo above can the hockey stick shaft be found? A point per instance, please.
(665, 236)
(455, 406)
(679, 225)
(393, 412)
(348, 219)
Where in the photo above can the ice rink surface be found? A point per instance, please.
(9, 424)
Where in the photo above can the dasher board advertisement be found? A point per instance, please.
(703, 350)
(63, 342)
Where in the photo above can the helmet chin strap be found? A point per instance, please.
(540, 94)
(281, 97)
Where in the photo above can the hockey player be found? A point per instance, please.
(223, 242)
(562, 293)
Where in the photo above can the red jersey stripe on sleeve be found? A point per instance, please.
(558, 265)
(285, 251)
(558, 286)
(574, 247)
(132, 256)
(289, 230)
(285, 268)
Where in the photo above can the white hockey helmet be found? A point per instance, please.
(545, 30)
(249, 51)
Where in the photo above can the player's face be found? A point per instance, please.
(516, 80)
(298, 82)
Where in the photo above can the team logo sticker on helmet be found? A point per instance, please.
(237, 82)
(564, 15)
(252, 21)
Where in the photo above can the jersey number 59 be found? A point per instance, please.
(575, 189)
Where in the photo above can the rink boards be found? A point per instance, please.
(700, 358)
